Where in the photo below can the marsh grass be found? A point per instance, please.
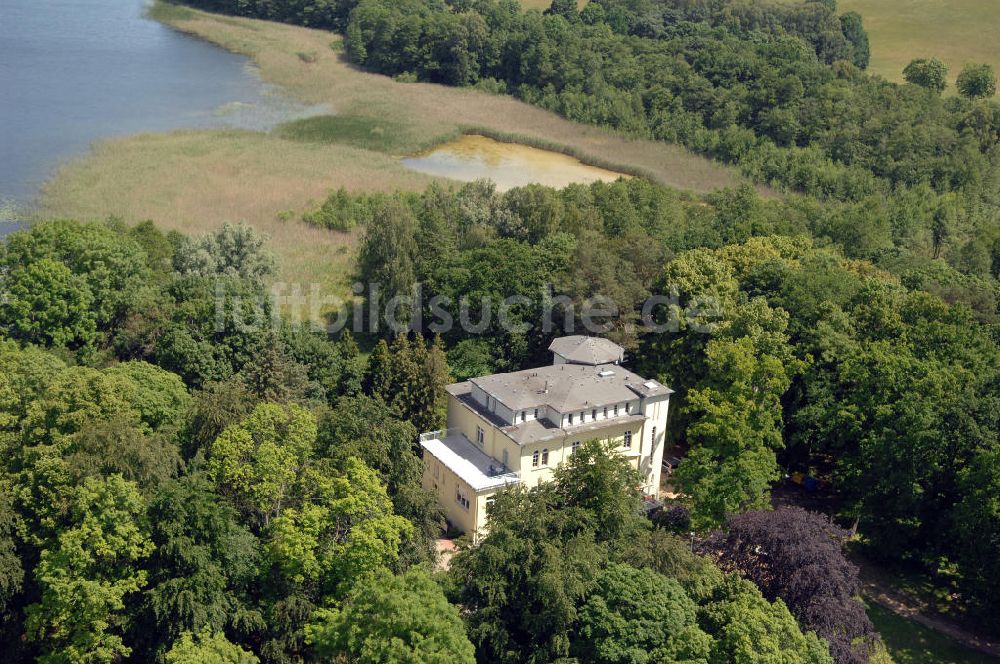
(166, 12)
(957, 31)
(358, 131)
(426, 114)
(545, 4)
(552, 146)
(194, 181)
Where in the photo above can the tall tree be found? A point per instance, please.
(928, 73)
(86, 573)
(749, 629)
(735, 431)
(207, 647)
(393, 620)
(234, 251)
(977, 82)
(203, 569)
(378, 378)
(257, 462)
(636, 616)
(386, 262)
(45, 303)
(342, 532)
(796, 556)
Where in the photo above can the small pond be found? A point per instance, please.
(509, 165)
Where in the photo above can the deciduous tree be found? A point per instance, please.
(977, 82)
(796, 556)
(393, 620)
(86, 573)
(928, 73)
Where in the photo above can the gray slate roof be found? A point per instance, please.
(569, 387)
(580, 349)
(536, 431)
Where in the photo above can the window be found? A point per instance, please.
(616, 410)
(626, 408)
(534, 459)
(462, 499)
(524, 415)
(574, 447)
(480, 437)
(571, 418)
(652, 438)
(628, 440)
(605, 412)
(536, 413)
(545, 457)
(593, 414)
(581, 417)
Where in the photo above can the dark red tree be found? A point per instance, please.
(798, 556)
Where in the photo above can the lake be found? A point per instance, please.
(509, 165)
(75, 71)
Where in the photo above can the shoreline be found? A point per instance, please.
(193, 181)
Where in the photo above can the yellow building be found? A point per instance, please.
(515, 428)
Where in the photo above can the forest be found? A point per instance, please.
(180, 490)
(189, 476)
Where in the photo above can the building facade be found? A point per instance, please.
(516, 428)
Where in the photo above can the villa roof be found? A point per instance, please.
(580, 349)
(569, 387)
(541, 429)
(537, 431)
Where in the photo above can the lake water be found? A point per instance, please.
(74, 71)
(509, 165)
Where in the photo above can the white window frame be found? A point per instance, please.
(627, 442)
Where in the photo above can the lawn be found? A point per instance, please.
(911, 643)
(956, 31)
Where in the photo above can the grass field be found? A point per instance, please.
(911, 643)
(955, 31)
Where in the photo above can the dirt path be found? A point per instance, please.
(876, 589)
(880, 588)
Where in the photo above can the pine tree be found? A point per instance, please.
(439, 375)
(378, 372)
(407, 363)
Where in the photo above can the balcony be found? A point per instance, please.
(473, 466)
